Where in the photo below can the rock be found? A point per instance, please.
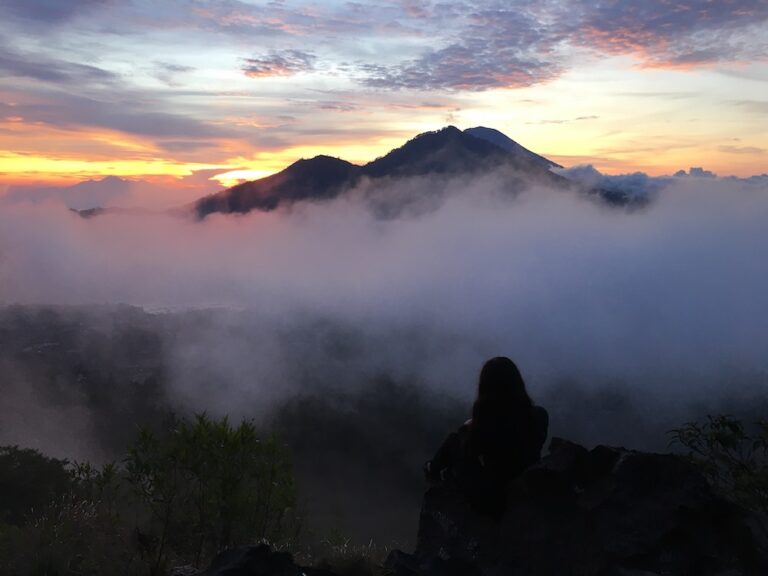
(604, 512)
(184, 571)
(258, 561)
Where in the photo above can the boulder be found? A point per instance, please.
(258, 560)
(601, 512)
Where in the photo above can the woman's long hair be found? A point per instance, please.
(501, 414)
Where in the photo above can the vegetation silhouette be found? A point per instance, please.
(181, 495)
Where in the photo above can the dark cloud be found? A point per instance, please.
(337, 106)
(285, 63)
(754, 106)
(690, 33)
(173, 68)
(504, 47)
(475, 65)
(516, 45)
(641, 186)
(637, 186)
(186, 145)
(696, 172)
(47, 69)
(741, 149)
(168, 72)
(279, 19)
(466, 45)
(49, 11)
(123, 114)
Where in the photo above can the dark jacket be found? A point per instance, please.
(483, 476)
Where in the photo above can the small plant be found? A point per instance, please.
(29, 480)
(179, 496)
(339, 555)
(734, 460)
(209, 485)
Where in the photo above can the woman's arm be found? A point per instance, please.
(444, 461)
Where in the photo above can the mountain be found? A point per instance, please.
(448, 151)
(318, 178)
(505, 142)
(94, 197)
(82, 196)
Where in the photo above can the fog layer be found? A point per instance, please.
(663, 305)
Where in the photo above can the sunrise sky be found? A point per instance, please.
(150, 88)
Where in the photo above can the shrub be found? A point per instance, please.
(207, 486)
(734, 460)
(29, 481)
(179, 496)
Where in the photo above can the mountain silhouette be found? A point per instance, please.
(505, 142)
(321, 177)
(448, 151)
(83, 195)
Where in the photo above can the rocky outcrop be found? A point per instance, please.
(256, 561)
(604, 512)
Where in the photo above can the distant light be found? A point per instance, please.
(236, 176)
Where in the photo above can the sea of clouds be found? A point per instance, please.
(664, 307)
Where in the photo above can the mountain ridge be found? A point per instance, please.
(447, 151)
(503, 141)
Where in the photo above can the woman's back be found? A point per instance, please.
(503, 438)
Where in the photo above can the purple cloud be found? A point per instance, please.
(661, 33)
(285, 63)
(516, 44)
(46, 69)
(49, 11)
(120, 114)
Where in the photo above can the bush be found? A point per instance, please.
(180, 496)
(29, 481)
(74, 529)
(733, 459)
(208, 486)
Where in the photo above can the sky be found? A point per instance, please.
(160, 89)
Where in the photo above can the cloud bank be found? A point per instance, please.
(659, 304)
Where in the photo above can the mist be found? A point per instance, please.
(624, 322)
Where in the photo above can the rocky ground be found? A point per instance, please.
(604, 512)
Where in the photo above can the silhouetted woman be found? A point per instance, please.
(504, 437)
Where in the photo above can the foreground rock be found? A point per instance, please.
(604, 512)
(256, 561)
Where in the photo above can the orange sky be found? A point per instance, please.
(232, 86)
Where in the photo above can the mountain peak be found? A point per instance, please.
(448, 150)
(506, 143)
(315, 178)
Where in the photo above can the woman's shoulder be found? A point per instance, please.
(540, 415)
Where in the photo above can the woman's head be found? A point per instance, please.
(501, 389)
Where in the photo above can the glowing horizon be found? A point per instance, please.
(91, 88)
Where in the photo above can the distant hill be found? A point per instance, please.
(98, 196)
(321, 177)
(443, 152)
(503, 141)
(81, 196)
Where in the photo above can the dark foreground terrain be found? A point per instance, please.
(604, 512)
(79, 383)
